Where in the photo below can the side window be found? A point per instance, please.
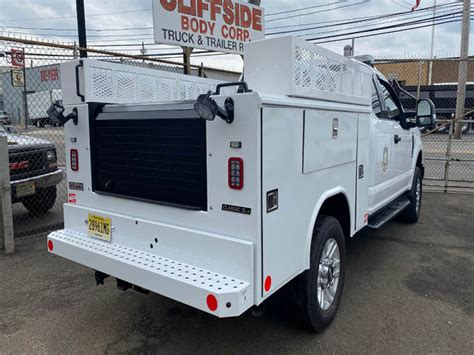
(376, 106)
(391, 103)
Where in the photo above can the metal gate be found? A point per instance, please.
(449, 162)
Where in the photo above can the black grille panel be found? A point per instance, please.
(28, 163)
(160, 159)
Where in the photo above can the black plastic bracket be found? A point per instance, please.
(78, 83)
(243, 87)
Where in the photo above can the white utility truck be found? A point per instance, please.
(219, 214)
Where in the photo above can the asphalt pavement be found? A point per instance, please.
(409, 289)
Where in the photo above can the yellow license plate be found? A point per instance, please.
(100, 227)
(25, 190)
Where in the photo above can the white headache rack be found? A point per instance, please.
(293, 67)
(89, 80)
(207, 290)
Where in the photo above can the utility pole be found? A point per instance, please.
(81, 27)
(433, 30)
(463, 67)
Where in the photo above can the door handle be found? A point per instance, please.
(397, 139)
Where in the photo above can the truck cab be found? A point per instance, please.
(396, 148)
(217, 195)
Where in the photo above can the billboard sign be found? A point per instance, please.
(217, 25)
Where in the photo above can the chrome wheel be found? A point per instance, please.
(328, 274)
(418, 196)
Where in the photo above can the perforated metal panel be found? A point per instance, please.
(321, 73)
(102, 87)
(120, 84)
(293, 67)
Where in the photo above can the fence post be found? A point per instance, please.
(448, 153)
(6, 226)
(418, 89)
(187, 60)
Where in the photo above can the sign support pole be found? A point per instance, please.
(463, 67)
(25, 91)
(187, 51)
(81, 27)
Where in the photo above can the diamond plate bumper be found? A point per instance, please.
(171, 278)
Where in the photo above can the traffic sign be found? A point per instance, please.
(18, 78)
(18, 57)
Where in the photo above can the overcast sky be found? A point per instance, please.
(59, 14)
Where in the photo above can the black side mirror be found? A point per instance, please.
(425, 113)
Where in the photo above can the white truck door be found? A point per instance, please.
(402, 138)
(386, 150)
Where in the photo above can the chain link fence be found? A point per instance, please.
(36, 146)
(448, 157)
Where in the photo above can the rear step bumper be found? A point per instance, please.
(182, 282)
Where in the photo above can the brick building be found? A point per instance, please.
(444, 71)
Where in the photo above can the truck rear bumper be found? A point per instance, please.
(207, 290)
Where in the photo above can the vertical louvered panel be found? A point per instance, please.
(160, 160)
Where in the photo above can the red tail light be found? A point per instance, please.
(74, 160)
(236, 173)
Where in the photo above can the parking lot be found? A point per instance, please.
(409, 289)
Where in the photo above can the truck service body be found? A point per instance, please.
(220, 214)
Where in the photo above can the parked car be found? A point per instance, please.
(34, 171)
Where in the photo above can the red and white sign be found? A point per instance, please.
(18, 57)
(50, 74)
(217, 25)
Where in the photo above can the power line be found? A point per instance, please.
(75, 29)
(318, 41)
(399, 4)
(397, 23)
(376, 19)
(319, 11)
(302, 9)
(380, 28)
(366, 17)
(141, 35)
(74, 16)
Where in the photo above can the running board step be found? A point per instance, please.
(389, 213)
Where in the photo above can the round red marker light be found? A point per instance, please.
(212, 302)
(268, 283)
(50, 245)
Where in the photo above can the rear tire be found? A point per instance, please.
(412, 213)
(318, 291)
(41, 202)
